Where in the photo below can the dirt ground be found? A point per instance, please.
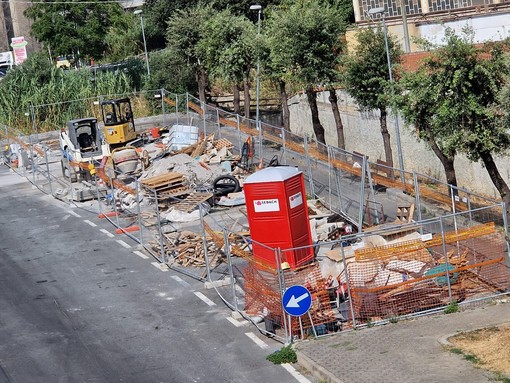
(489, 348)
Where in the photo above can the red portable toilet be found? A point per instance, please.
(278, 215)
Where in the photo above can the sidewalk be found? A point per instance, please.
(410, 351)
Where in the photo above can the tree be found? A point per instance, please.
(416, 101)
(185, 31)
(168, 71)
(157, 13)
(367, 77)
(229, 51)
(121, 39)
(469, 100)
(74, 27)
(304, 41)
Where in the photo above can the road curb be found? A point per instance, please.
(315, 369)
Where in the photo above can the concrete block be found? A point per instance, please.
(213, 284)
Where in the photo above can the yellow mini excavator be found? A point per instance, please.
(119, 125)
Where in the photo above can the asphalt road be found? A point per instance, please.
(79, 305)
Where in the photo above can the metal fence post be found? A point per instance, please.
(203, 119)
(505, 224)
(34, 129)
(329, 176)
(309, 168)
(177, 107)
(204, 244)
(187, 108)
(261, 138)
(138, 210)
(362, 194)
(99, 209)
(32, 162)
(162, 90)
(48, 168)
(372, 192)
(453, 208)
(284, 151)
(230, 269)
(239, 134)
(218, 122)
(162, 250)
(468, 200)
(70, 192)
(348, 282)
(114, 203)
(417, 198)
(446, 263)
(281, 284)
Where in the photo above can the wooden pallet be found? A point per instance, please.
(175, 192)
(163, 181)
(222, 143)
(192, 201)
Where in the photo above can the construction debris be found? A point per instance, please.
(186, 248)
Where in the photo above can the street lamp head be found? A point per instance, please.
(376, 11)
(138, 12)
(255, 7)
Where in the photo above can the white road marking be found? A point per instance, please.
(204, 298)
(104, 231)
(180, 280)
(237, 323)
(120, 241)
(73, 213)
(140, 254)
(66, 217)
(159, 266)
(257, 341)
(296, 374)
(89, 223)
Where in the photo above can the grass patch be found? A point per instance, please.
(284, 355)
(453, 307)
(501, 378)
(469, 357)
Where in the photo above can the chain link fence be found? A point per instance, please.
(451, 246)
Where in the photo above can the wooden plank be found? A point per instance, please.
(199, 150)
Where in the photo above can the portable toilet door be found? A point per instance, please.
(278, 215)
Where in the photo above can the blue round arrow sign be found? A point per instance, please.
(297, 300)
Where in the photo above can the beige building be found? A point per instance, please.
(490, 19)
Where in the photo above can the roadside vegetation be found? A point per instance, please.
(457, 101)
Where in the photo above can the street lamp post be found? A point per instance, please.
(140, 12)
(258, 8)
(375, 11)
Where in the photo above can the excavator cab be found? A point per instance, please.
(119, 125)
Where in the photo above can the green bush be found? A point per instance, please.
(284, 355)
(453, 307)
